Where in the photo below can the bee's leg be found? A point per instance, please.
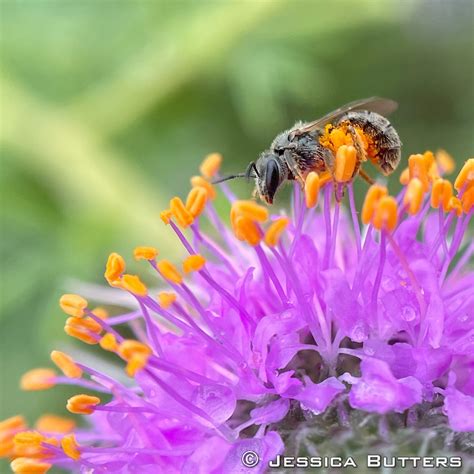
(361, 156)
(293, 167)
(366, 177)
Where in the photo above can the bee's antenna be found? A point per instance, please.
(248, 174)
(228, 178)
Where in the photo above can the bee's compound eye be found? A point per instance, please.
(272, 177)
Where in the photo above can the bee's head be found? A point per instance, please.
(269, 175)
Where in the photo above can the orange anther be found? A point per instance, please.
(372, 198)
(166, 299)
(200, 181)
(441, 194)
(55, 424)
(465, 178)
(166, 215)
(196, 201)
(145, 253)
(324, 178)
(413, 198)
(101, 313)
(136, 363)
(28, 443)
(70, 447)
(247, 230)
(433, 172)
(445, 162)
(346, 159)
(405, 177)
(74, 305)
(273, 234)
(211, 165)
(8, 429)
(467, 199)
(133, 284)
(429, 158)
(169, 271)
(85, 324)
(81, 333)
(455, 205)
(108, 342)
(311, 189)
(114, 268)
(385, 216)
(183, 216)
(418, 168)
(66, 364)
(193, 263)
(13, 423)
(251, 210)
(38, 379)
(130, 347)
(82, 404)
(29, 466)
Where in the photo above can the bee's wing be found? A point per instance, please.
(373, 104)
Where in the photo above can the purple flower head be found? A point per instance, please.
(274, 316)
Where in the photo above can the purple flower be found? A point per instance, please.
(271, 316)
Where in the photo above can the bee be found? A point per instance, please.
(312, 146)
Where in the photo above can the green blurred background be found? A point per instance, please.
(108, 107)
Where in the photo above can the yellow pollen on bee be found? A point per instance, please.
(418, 168)
(183, 216)
(251, 210)
(385, 216)
(169, 271)
(108, 342)
(114, 268)
(465, 178)
(467, 199)
(311, 189)
(193, 263)
(73, 305)
(211, 165)
(166, 299)
(38, 379)
(70, 447)
(372, 198)
(445, 161)
(441, 194)
(345, 163)
(55, 424)
(66, 364)
(413, 198)
(25, 465)
(166, 216)
(133, 284)
(196, 201)
(405, 177)
(455, 205)
(247, 230)
(145, 253)
(276, 229)
(200, 181)
(82, 404)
